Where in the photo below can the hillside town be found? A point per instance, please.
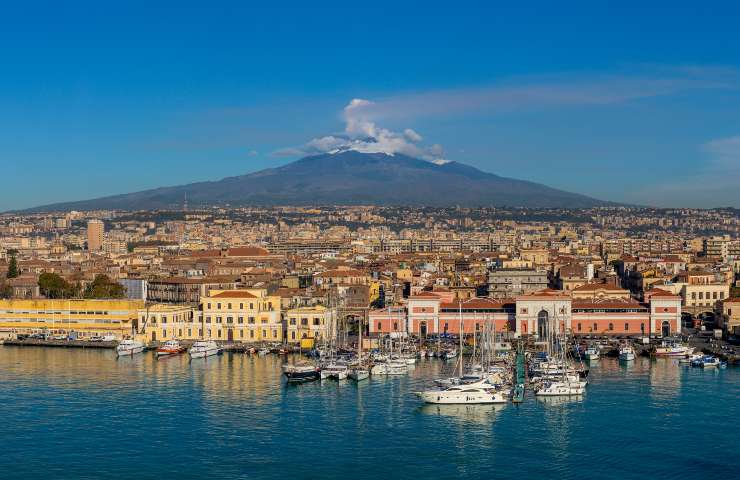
(292, 274)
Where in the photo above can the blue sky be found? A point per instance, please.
(623, 102)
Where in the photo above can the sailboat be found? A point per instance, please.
(359, 371)
(564, 382)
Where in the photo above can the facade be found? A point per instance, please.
(539, 315)
(510, 282)
(78, 318)
(95, 231)
(186, 290)
(162, 322)
(248, 315)
(731, 315)
(314, 323)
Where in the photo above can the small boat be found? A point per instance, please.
(706, 361)
(390, 368)
(129, 347)
(450, 354)
(689, 359)
(626, 353)
(203, 349)
(592, 353)
(263, 351)
(672, 349)
(563, 388)
(358, 373)
(474, 393)
(301, 372)
(335, 370)
(170, 347)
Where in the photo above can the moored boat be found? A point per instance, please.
(626, 353)
(672, 349)
(129, 347)
(592, 353)
(203, 349)
(358, 373)
(301, 372)
(170, 347)
(474, 393)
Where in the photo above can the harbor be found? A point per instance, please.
(235, 407)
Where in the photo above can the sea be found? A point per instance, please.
(83, 413)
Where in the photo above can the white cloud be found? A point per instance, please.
(362, 134)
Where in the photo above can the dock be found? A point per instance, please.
(59, 343)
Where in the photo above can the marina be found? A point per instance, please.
(225, 413)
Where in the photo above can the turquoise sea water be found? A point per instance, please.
(86, 414)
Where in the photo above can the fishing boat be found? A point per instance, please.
(672, 349)
(474, 393)
(301, 372)
(170, 347)
(592, 353)
(203, 349)
(129, 347)
(626, 353)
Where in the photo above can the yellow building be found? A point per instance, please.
(81, 318)
(162, 322)
(249, 315)
(308, 323)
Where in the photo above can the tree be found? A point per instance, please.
(6, 291)
(104, 287)
(13, 267)
(54, 286)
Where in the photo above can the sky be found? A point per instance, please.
(616, 100)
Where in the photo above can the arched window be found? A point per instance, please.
(611, 327)
(543, 320)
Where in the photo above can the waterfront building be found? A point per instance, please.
(731, 315)
(77, 318)
(162, 322)
(247, 315)
(186, 290)
(308, 323)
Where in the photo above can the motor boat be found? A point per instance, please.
(170, 347)
(706, 361)
(626, 353)
(203, 349)
(592, 353)
(391, 367)
(301, 372)
(129, 347)
(672, 349)
(473, 393)
(560, 388)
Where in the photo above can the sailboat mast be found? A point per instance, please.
(461, 337)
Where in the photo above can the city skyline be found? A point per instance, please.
(641, 110)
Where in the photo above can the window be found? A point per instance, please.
(264, 333)
(241, 306)
(164, 333)
(218, 306)
(596, 327)
(316, 321)
(251, 334)
(642, 327)
(190, 332)
(611, 326)
(241, 320)
(304, 322)
(218, 332)
(209, 306)
(693, 295)
(721, 295)
(395, 325)
(200, 332)
(701, 295)
(626, 327)
(292, 335)
(164, 319)
(714, 295)
(579, 327)
(229, 319)
(179, 332)
(229, 307)
(274, 334)
(241, 333)
(218, 319)
(380, 326)
(292, 321)
(251, 320)
(208, 319)
(251, 306)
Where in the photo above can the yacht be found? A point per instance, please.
(626, 353)
(479, 392)
(301, 372)
(335, 370)
(170, 347)
(202, 349)
(706, 361)
(592, 353)
(561, 388)
(129, 347)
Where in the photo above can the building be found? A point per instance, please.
(309, 323)
(136, 288)
(78, 318)
(186, 290)
(247, 315)
(510, 282)
(731, 316)
(95, 231)
(162, 322)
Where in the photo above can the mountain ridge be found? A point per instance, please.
(347, 178)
